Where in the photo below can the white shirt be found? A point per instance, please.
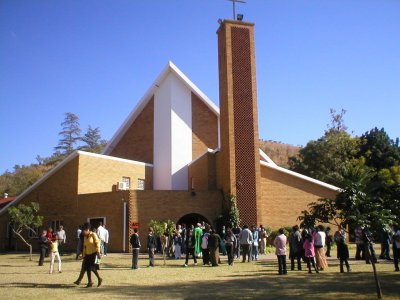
(319, 238)
(101, 233)
(106, 236)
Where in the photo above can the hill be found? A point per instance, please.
(279, 152)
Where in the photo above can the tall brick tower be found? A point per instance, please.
(239, 166)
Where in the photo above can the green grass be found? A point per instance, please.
(23, 279)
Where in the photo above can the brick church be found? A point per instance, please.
(178, 156)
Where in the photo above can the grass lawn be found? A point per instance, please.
(23, 279)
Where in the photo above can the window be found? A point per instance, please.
(140, 184)
(127, 181)
(56, 224)
(10, 232)
(33, 234)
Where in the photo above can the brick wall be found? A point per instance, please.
(173, 205)
(204, 127)
(98, 174)
(137, 142)
(238, 161)
(202, 171)
(285, 196)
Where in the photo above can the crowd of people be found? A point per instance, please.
(203, 242)
(311, 246)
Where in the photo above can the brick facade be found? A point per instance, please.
(137, 142)
(202, 173)
(284, 197)
(204, 127)
(173, 205)
(239, 128)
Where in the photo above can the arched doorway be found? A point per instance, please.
(193, 219)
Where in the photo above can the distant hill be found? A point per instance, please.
(279, 152)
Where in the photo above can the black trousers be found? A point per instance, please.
(346, 262)
(188, 252)
(296, 256)
(229, 251)
(396, 256)
(282, 264)
(206, 256)
(246, 249)
(43, 251)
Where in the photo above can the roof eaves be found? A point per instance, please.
(298, 175)
(42, 179)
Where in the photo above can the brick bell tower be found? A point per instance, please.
(239, 159)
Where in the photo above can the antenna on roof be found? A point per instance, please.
(240, 17)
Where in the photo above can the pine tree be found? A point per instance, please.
(70, 134)
(93, 141)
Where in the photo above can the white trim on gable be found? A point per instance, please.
(62, 164)
(298, 175)
(266, 158)
(170, 67)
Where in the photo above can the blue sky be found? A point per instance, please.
(96, 58)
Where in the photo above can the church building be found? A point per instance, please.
(177, 156)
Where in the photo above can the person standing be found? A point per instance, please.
(151, 246)
(230, 242)
(263, 240)
(214, 241)
(342, 249)
(254, 245)
(309, 251)
(106, 239)
(358, 234)
(204, 248)
(319, 244)
(280, 245)
(328, 241)
(198, 232)
(79, 241)
(135, 243)
(295, 247)
(177, 240)
(246, 239)
(236, 231)
(61, 238)
(54, 254)
(396, 248)
(386, 239)
(43, 246)
(101, 234)
(91, 251)
(190, 247)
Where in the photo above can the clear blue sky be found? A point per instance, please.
(96, 58)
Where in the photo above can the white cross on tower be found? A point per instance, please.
(234, 6)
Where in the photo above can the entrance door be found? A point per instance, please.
(95, 222)
(193, 219)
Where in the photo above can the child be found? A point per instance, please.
(309, 251)
(53, 254)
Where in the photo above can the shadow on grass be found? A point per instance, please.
(299, 286)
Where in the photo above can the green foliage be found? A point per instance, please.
(379, 150)
(355, 205)
(161, 227)
(92, 141)
(25, 217)
(14, 183)
(233, 214)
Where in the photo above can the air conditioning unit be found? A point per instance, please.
(122, 186)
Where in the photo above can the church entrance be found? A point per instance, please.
(193, 219)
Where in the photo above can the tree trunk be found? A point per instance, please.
(26, 243)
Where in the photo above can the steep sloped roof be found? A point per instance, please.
(58, 167)
(169, 68)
